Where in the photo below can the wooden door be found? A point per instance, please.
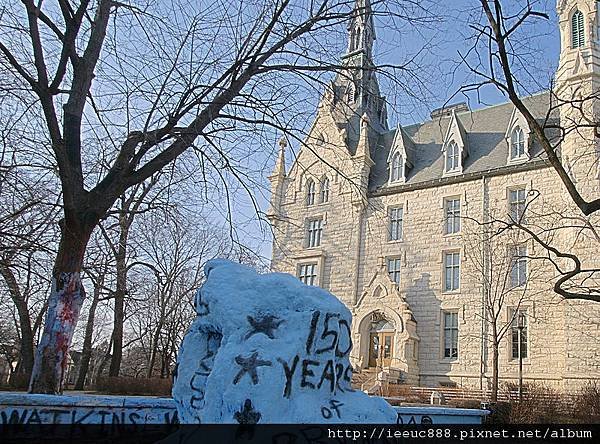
(373, 349)
(381, 349)
(387, 348)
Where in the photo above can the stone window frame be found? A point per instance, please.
(457, 169)
(397, 259)
(311, 192)
(397, 171)
(324, 189)
(509, 202)
(442, 325)
(308, 279)
(517, 122)
(521, 142)
(577, 36)
(445, 201)
(516, 257)
(307, 230)
(509, 337)
(309, 257)
(389, 210)
(445, 252)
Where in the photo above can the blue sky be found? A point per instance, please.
(441, 70)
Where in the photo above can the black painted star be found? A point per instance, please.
(247, 415)
(249, 365)
(265, 325)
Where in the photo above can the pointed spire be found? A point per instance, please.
(363, 148)
(279, 170)
(361, 30)
(277, 179)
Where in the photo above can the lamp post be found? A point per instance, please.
(520, 327)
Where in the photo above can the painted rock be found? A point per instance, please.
(268, 349)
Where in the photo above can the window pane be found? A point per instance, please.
(515, 333)
(395, 223)
(315, 230)
(452, 216)
(450, 334)
(394, 270)
(452, 271)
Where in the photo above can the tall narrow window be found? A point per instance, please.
(450, 334)
(518, 271)
(452, 216)
(315, 232)
(452, 157)
(325, 190)
(517, 200)
(307, 273)
(396, 216)
(393, 267)
(351, 93)
(310, 192)
(577, 30)
(517, 143)
(519, 317)
(396, 168)
(451, 271)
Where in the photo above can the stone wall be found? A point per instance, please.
(563, 337)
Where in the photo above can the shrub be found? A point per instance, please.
(540, 405)
(18, 382)
(587, 405)
(134, 386)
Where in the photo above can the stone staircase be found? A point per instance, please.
(388, 381)
(362, 377)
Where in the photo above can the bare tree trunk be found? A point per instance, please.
(120, 291)
(86, 353)
(64, 304)
(26, 347)
(495, 368)
(153, 350)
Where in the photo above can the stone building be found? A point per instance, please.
(393, 222)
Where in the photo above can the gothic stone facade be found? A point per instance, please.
(389, 222)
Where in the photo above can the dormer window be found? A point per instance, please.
(325, 190)
(310, 192)
(517, 144)
(577, 30)
(452, 157)
(397, 168)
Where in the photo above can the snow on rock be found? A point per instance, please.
(268, 349)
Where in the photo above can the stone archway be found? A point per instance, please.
(383, 313)
(376, 337)
(381, 340)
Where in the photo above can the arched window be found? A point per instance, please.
(310, 192)
(396, 168)
(577, 30)
(325, 190)
(517, 143)
(452, 157)
(358, 45)
(351, 92)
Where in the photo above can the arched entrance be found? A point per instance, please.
(381, 342)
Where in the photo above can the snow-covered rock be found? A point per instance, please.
(268, 349)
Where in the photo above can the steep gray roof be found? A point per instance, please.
(485, 131)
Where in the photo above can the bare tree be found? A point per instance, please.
(27, 221)
(500, 58)
(97, 273)
(188, 74)
(500, 258)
